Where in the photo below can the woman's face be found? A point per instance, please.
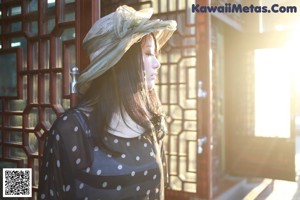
(151, 64)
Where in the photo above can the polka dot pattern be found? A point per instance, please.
(81, 186)
(58, 163)
(68, 187)
(119, 187)
(104, 184)
(134, 171)
(96, 148)
(138, 188)
(154, 177)
(51, 193)
(74, 148)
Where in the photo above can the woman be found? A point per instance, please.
(110, 146)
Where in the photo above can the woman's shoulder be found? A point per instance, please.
(71, 126)
(68, 133)
(71, 122)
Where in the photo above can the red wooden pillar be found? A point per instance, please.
(203, 35)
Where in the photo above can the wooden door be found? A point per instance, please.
(261, 126)
(183, 90)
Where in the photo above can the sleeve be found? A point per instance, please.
(55, 178)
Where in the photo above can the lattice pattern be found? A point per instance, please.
(218, 107)
(177, 90)
(42, 35)
(245, 117)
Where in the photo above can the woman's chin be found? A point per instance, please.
(150, 87)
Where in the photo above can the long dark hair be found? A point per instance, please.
(122, 88)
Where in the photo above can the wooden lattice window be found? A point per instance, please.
(39, 35)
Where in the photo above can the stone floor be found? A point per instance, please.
(285, 190)
(267, 189)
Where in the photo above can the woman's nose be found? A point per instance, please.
(156, 63)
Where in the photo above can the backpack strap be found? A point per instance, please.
(82, 122)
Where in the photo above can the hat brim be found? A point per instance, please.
(162, 31)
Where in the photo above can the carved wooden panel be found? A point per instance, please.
(42, 36)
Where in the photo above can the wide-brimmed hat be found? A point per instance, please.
(112, 35)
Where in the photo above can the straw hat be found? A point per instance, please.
(111, 36)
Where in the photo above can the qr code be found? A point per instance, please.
(17, 182)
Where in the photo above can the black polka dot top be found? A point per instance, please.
(74, 168)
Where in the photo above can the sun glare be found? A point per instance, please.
(294, 45)
(276, 70)
(272, 94)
